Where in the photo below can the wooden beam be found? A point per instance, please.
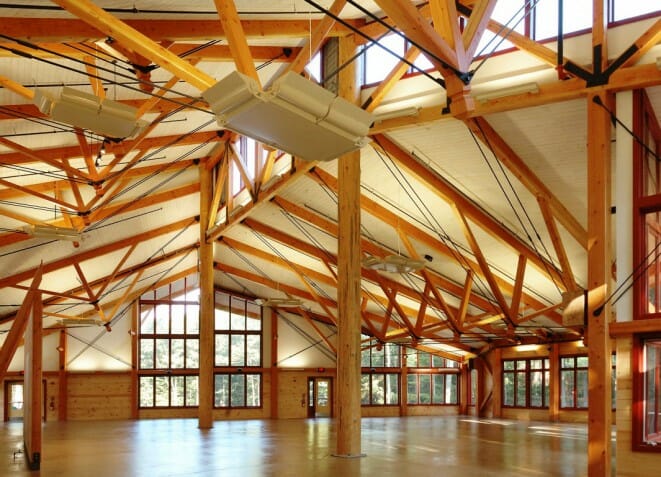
(33, 388)
(236, 39)
(477, 24)
(10, 344)
(316, 38)
(446, 24)
(556, 240)
(515, 302)
(131, 38)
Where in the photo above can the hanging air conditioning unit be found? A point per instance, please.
(295, 115)
(105, 117)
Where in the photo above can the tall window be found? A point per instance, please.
(574, 382)
(432, 380)
(238, 352)
(169, 338)
(526, 383)
(378, 387)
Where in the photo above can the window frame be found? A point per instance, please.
(575, 369)
(638, 441)
(527, 371)
(385, 373)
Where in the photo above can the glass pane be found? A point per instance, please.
(222, 350)
(192, 353)
(392, 355)
(627, 9)
(536, 364)
(536, 389)
(451, 389)
(254, 350)
(567, 389)
(162, 354)
(509, 13)
(546, 19)
(438, 362)
(378, 61)
(521, 364)
(576, 16)
(193, 295)
(567, 362)
(412, 389)
(365, 389)
(221, 319)
(192, 319)
(422, 63)
(508, 389)
(237, 390)
(177, 353)
(439, 389)
(147, 319)
(521, 389)
(365, 357)
(238, 317)
(424, 382)
(176, 391)
(253, 390)
(192, 391)
(378, 356)
(581, 361)
(473, 396)
(378, 389)
(238, 350)
(508, 365)
(146, 391)
(652, 391)
(146, 354)
(162, 319)
(178, 319)
(581, 388)
(221, 390)
(162, 391)
(392, 389)
(424, 360)
(254, 317)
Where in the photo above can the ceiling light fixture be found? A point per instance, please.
(51, 231)
(84, 110)
(393, 264)
(295, 115)
(530, 88)
(80, 321)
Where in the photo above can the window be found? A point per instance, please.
(574, 382)
(472, 396)
(438, 384)
(378, 62)
(168, 343)
(237, 390)
(238, 345)
(431, 389)
(526, 383)
(379, 389)
(380, 355)
(647, 393)
(625, 9)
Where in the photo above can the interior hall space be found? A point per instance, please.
(331, 237)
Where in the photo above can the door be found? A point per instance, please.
(320, 402)
(14, 400)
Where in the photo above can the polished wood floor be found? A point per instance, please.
(420, 446)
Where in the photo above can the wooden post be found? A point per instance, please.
(274, 364)
(32, 384)
(599, 271)
(135, 364)
(206, 387)
(554, 382)
(348, 265)
(497, 382)
(403, 385)
(62, 384)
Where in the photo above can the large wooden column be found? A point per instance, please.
(274, 363)
(348, 264)
(599, 271)
(206, 391)
(62, 379)
(554, 383)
